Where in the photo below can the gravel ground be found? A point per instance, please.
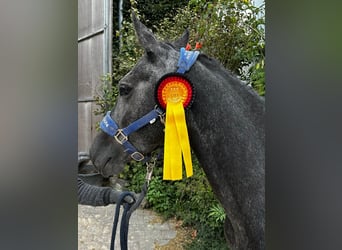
(146, 230)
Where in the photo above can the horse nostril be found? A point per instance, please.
(103, 166)
(108, 160)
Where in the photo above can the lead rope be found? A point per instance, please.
(130, 208)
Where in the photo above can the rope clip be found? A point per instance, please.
(149, 169)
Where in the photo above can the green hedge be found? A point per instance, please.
(190, 200)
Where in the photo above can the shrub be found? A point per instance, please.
(232, 31)
(190, 200)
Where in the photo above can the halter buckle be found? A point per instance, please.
(161, 114)
(120, 137)
(137, 156)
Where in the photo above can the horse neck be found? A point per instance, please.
(226, 126)
(226, 130)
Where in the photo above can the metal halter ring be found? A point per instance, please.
(137, 156)
(120, 137)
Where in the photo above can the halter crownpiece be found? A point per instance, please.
(174, 92)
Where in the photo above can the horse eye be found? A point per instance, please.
(124, 90)
(151, 56)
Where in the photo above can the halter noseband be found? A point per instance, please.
(110, 127)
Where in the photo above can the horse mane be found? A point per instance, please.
(216, 66)
(213, 63)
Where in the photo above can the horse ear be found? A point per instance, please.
(146, 38)
(183, 40)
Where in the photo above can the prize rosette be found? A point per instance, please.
(174, 93)
(174, 88)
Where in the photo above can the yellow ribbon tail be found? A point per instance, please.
(176, 143)
(183, 137)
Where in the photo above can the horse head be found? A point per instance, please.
(136, 98)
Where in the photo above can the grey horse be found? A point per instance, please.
(225, 126)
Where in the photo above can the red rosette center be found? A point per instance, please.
(174, 88)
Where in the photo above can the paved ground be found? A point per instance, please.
(146, 229)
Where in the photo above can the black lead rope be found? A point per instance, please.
(127, 212)
(130, 208)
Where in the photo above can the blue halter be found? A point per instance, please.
(109, 126)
